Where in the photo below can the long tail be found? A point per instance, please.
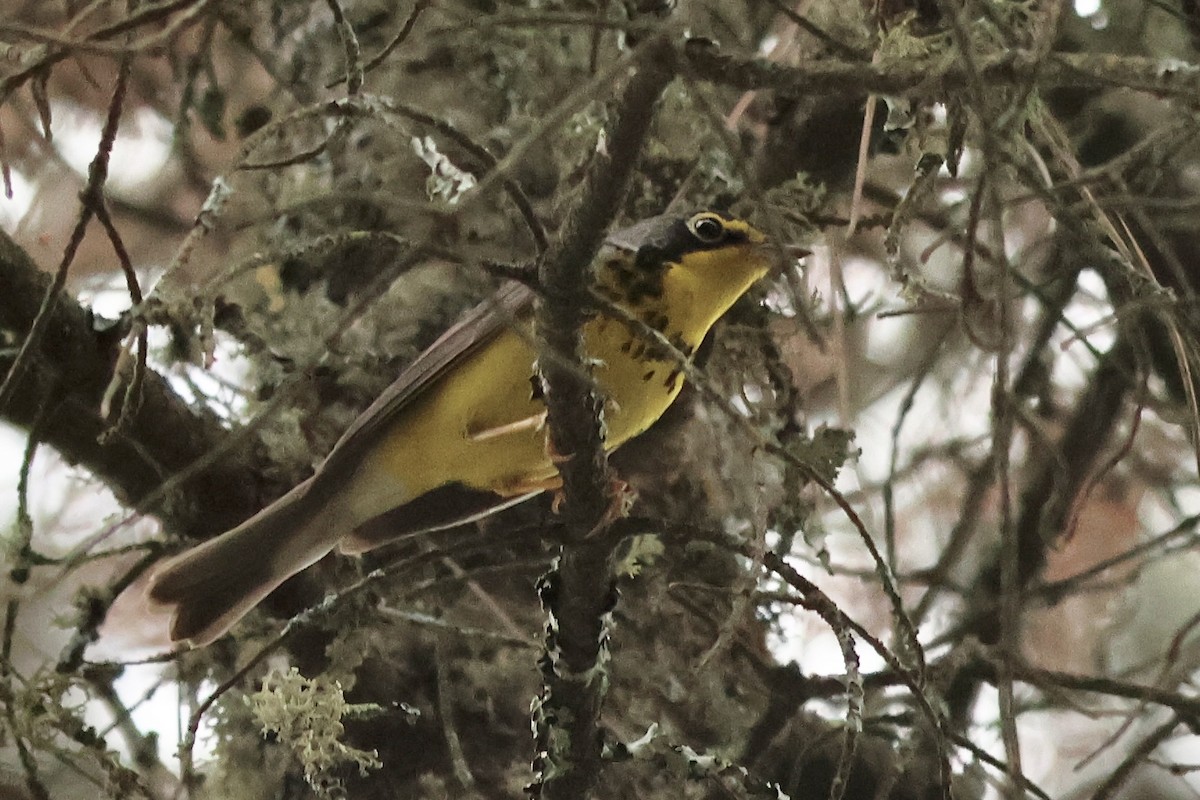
(215, 584)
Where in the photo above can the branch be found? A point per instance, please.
(70, 368)
(940, 75)
(988, 665)
(1048, 497)
(579, 593)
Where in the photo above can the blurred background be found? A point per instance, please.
(991, 352)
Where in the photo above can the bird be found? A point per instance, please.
(460, 434)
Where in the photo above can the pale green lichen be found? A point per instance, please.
(642, 551)
(306, 716)
(689, 764)
(793, 203)
(901, 43)
(446, 182)
(826, 451)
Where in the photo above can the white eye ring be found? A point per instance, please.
(708, 228)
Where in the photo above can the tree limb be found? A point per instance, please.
(579, 593)
(940, 75)
(70, 369)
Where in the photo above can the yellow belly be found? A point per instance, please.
(449, 433)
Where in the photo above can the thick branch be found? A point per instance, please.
(65, 381)
(580, 593)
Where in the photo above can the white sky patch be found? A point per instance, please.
(14, 209)
(820, 655)
(889, 338)
(1160, 514)
(953, 194)
(141, 149)
(12, 442)
(1091, 313)
(220, 385)
(1184, 750)
(739, 404)
(106, 294)
(768, 45)
(164, 713)
(65, 502)
(1095, 330)
(966, 162)
(216, 387)
(864, 279)
(1086, 8)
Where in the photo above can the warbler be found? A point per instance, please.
(461, 432)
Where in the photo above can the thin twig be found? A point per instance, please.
(91, 198)
(133, 391)
(354, 69)
(445, 704)
(405, 30)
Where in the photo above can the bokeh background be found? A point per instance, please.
(992, 346)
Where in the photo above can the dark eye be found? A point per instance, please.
(707, 228)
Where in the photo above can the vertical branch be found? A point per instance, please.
(578, 592)
(18, 575)
(1002, 439)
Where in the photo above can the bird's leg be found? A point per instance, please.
(621, 494)
(621, 497)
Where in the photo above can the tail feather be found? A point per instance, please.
(212, 586)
